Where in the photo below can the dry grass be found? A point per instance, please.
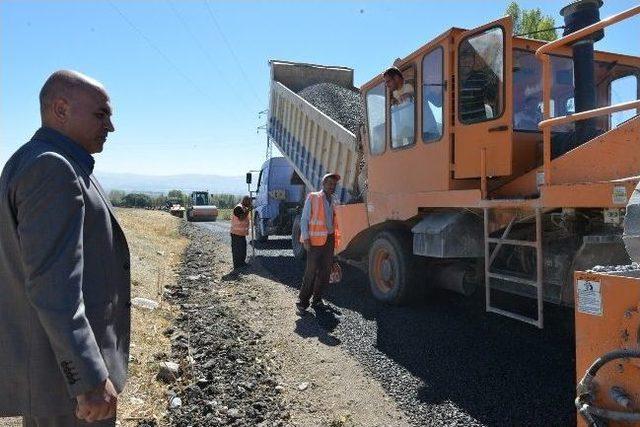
(156, 250)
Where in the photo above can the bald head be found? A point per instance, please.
(77, 106)
(66, 84)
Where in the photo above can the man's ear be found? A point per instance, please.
(60, 110)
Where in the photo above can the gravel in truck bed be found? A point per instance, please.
(341, 104)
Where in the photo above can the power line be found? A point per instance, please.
(160, 52)
(200, 46)
(233, 54)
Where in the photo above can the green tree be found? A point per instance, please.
(532, 23)
(160, 201)
(178, 195)
(175, 194)
(116, 196)
(224, 201)
(137, 200)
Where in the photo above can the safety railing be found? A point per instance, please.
(543, 55)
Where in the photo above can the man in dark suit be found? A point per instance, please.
(64, 267)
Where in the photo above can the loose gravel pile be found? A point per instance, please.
(341, 104)
(634, 266)
(226, 375)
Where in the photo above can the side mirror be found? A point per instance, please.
(249, 177)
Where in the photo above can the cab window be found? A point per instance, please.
(402, 109)
(432, 95)
(376, 113)
(623, 89)
(481, 76)
(527, 91)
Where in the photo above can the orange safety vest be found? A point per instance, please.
(239, 227)
(318, 231)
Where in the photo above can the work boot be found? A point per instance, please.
(301, 309)
(319, 304)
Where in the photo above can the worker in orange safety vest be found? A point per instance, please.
(239, 232)
(319, 234)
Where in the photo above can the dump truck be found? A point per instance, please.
(507, 167)
(199, 207)
(279, 197)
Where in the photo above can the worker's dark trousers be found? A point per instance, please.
(64, 421)
(238, 250)
(316, 275)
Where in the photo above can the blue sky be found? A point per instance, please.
(188, 78)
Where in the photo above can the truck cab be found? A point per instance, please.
(279, 195)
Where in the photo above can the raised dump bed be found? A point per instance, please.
(308, 137)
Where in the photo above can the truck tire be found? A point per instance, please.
(298, 248)
(393, 269)
(260, 238)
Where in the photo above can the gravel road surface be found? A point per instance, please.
(444, 360)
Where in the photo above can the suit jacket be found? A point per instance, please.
(64, 281)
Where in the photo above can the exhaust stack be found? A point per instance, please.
(578, 15)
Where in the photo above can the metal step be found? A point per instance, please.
(490, 256)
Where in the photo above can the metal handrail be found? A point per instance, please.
(583, 115)
(543, 55)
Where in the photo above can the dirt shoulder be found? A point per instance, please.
(321, 383)
(157, 250)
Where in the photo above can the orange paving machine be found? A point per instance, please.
(508, 162)
(504, 164)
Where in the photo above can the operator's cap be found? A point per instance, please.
(331, 175)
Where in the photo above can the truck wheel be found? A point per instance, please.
(260, 238)
(392, 268)
(298, 248)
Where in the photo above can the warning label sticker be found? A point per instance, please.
(619, 195)
(589, 297)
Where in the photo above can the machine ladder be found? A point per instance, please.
(490, 256)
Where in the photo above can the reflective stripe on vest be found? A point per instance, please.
(239, 227)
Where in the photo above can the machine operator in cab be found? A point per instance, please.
(401, 91)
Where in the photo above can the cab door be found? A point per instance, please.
(483, 78)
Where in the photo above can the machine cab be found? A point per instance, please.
(471, 108)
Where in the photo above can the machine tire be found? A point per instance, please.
(298, 249)
(188, 216)
(393, 269)
(260, 238)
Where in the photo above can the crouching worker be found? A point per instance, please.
(239, 232)
(318, 234)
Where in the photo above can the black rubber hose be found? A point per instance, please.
(589, 412)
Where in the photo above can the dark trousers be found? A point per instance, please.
(64, 421)
(238, 250)
(316, 275)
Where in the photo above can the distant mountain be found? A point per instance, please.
(162, 184)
